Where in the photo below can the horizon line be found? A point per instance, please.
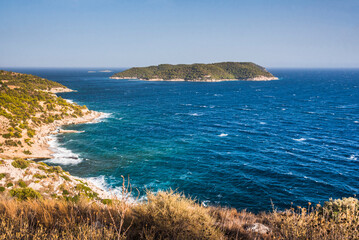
(108, 68)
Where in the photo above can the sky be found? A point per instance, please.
(128, 33)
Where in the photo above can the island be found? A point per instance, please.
(213, 72)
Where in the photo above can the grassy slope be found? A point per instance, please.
(224, 70)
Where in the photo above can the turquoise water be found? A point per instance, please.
(238, 144)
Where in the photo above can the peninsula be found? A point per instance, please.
(214, 72)
(30, 111)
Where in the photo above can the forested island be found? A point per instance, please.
(214, 72)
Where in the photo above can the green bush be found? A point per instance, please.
(86, 190)
(66, 178)
(2, 175)
(39, 176)
(9, 185)
(56, 169)
(27, 152)
(22, 184)
(20, 163)
(30, 133)
(25, 193)
(2, 189)
(10, 143)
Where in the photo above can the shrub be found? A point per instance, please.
(168, 215)
(2, 189)
(27, 152)
(66, 178)
(20, 163)
(30, 133)
(43, 164)
(86, 190)
(7, 135)
(10, 143)
(2, 175)
(21, 183)
(56, 169)
(36, 175)
(25, 193)
(17, 135)
(333, 208)
(9, 185)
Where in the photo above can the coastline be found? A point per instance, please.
(40, 148)
(259, 78)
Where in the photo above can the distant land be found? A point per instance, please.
(214, 72)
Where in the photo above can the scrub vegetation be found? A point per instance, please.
(224, 70)
(27, 103)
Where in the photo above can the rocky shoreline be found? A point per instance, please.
(40, 148)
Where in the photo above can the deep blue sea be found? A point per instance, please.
(238, 144)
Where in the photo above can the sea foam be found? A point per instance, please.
(116, 192)
(101, 118)
(61, 155)
(299, 139)
(223, 135)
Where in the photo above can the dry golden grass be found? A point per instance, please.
(337, 219)
(170, 215)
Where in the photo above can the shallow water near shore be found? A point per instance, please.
(238, 144)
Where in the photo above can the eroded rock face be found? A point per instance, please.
(258, 228)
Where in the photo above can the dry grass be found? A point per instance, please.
(337, 219)
(170, 215)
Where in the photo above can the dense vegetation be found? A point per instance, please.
(27, 81)
(224, 70)
(26, 104)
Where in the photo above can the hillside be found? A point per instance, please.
(225, 71)
(29, 111)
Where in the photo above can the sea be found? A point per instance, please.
(243, 144)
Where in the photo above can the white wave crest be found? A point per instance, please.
(62, 155)
(299, 139)
(223, 135)
(101, 118)
(116, 192)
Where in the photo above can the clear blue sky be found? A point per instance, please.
(126, 33)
